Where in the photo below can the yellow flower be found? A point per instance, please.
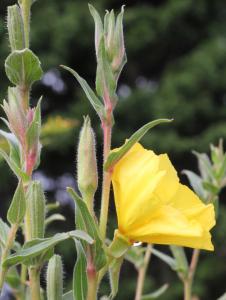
(154, 207)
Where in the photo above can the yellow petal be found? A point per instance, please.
(169, 183)
(134, 178)
(169, 226)
(190, 205)
(153, 207)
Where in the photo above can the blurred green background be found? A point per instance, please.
(176, 69)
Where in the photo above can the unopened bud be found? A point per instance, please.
(55, 278)
(87, 163)
(36, 210)
(109, 30)
(15, 114)
(15, 28)
(119, 56)
(33, 132)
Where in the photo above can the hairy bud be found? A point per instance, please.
(87, 164)
(55, 278)
(15, 28)
(36, 210)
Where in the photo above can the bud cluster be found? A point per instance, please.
(22, 69)
(111, 55)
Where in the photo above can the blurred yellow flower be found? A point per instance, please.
(153, 207)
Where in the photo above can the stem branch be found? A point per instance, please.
(188, 281)
(107, 129)
(34, 274)
(8, 246)
(142, 273)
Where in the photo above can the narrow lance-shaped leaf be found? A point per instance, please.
(13, 166)
(95, 102)
(156, 294)
(17, 208)
(4, 231)
(181, 259)
(13, 145)
(53, 218)
(196, 183)
(37, 247)
(98, 26)
(166, 258)
(68, 296)
(91, 228)
(114, 273)
(80, 284)
(116, 155)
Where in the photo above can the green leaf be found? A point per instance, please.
(135, 255)
(4, 231)
(54, 217)
(105, 81)
(211, 187)
(17, 208)
(98, 26)
(13, 278)
(205, 166)
(13, 166)
(36, 247)
(156, 294)
(23, 67)
(114, 273)
(13, 145)
(166, 258)
(93, 99)
(196, 183)
(80, 285)
(115, 156)
(68, 296)
(181, 259)
(88, 224)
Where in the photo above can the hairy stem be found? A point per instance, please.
(8, 246)
(142, 273)
(34, 275)
(26, 12)
(188, 282)
(107, 129)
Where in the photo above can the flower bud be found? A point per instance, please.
(36, 210)
(115, 41)
(33, 132)
(15, 28)
(119, 58)
(16, 116)
(55, 278)
(87, 164)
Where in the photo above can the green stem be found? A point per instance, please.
(92, 277)
(188, 282)
(8, 246)
(23, 278)
(92, 287)
(34, 275)
(26, 13)
(142, 273)
(107, 129)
